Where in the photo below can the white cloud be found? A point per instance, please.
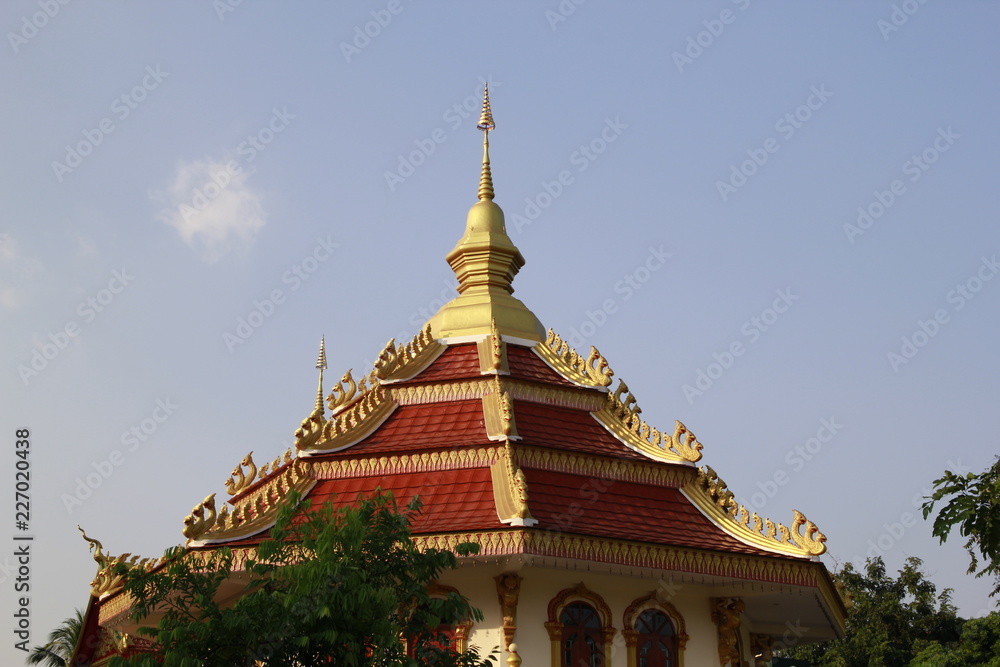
(85, 246)
(16, 270)
(212, 207)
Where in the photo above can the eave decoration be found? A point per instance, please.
(590, 372)
(109, 578)
(620, 416)
(711, 495)
(255, 503)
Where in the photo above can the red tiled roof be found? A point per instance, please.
(567, 428)
(624, 510)
(425, 426)
(455, 363)
(454, 500)
(526, 365)
(461, 362)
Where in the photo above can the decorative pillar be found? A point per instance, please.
(726, 616)
(508, 590)
(763, 649)
(631, 639)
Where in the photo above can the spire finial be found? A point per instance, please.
(321, 365)
(486, 124)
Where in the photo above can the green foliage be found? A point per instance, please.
(58, 650)
(330, 586)
(974, 506)
(892, 619)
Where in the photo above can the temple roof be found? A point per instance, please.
(510, 438)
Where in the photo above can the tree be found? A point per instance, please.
(58, 650)
(890, 619)
(979, 644)
(973, 504)
(334, 586)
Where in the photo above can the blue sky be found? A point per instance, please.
(776, 220)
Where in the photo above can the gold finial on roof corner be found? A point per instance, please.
(486, 124)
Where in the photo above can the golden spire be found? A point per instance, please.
(486, 124)
(485, 262)
(321, 365)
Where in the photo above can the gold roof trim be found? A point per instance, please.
(621, 418)
(510, 490)
(449, 459)
(493, 353)
(604, 468)
(709, 493)
(240, 482)
(108, 581)
(498, 414)
(464, 390)
(407, 361)
(348, 427)
(252, 512)
(345, 391)
(418, 394)
(558, 544)
(592, 372)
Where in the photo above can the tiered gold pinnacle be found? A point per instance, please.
(321, 365)
(485, 261)
(486, 124)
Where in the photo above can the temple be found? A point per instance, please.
(602, 540)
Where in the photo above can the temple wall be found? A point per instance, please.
(539, 586)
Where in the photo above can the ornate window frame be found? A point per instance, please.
(463, 628)
(578, 593)
(631, 615)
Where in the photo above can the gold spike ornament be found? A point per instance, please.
(486, 124)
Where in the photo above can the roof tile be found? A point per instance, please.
(568, 429)
(425, 426)
(627, 511)
(453, 500)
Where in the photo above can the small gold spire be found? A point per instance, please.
(486, 124)
(321, 365)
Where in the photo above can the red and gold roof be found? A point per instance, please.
(513, 440)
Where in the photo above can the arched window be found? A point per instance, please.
(656, 642)
(446, 635)
(582, 640)
(580, 629)
(654, 633)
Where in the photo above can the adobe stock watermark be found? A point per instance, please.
(581, 158)
(562, 12)
(704, 39)
(899, 16)
(958, 297)
(363, 35)
(796, 459)
(247, 150)
(87, 310)
(131, 440)
(295, 277)
(914, 168)
(751, 330)
(223, 7)
(786, 126)
(627, 286)
(31, 25)
(453, 116)
(121, 108)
